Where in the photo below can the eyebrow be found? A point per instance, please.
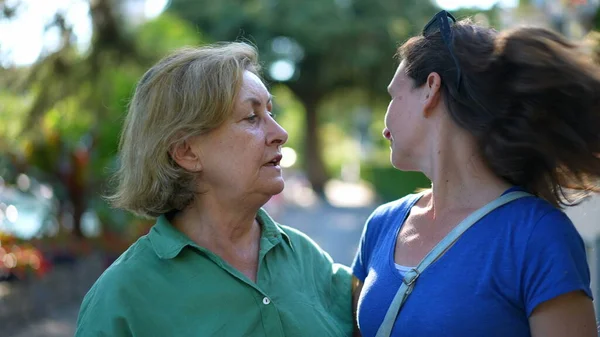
(256, 101)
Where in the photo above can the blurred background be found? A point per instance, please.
(69, 67)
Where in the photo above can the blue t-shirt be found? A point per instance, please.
(487, 284)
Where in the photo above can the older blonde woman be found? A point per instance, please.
(200, 151)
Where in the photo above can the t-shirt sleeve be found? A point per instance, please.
(360, 265)
(554, 262)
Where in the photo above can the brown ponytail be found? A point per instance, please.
(531, 99)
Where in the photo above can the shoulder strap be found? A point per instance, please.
(411, 276)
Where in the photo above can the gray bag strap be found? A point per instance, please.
(412, 275)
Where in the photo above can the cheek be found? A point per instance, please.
(249, 150)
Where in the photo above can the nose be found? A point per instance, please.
(387, 134)
(277, 134)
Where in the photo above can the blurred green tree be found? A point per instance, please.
(64, 112)
(315, 47)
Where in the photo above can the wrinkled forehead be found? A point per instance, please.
(253, 86)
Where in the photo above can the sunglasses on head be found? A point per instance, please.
(442, 22)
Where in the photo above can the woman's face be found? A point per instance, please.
(404, 121)
(241, 157)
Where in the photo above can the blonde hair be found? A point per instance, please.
(188, 93)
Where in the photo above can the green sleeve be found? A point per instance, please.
(341, 293)
(102, 314)
(333, 279)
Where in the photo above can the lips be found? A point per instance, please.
(274, 161)
(387, 134)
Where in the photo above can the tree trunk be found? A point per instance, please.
(78, 210)
(315, 168)
(74, 180)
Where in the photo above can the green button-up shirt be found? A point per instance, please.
(166, 285)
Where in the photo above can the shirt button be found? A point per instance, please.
(266, 301)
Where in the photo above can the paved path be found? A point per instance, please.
(61, 323)
(336, 230)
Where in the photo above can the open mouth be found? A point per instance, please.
(275, 161)
(387, 134)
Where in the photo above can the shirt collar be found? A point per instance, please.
(272, 230)
(168, 242)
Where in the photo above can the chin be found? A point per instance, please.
(276, 187)
(402, 164)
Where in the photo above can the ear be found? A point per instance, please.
(186, 156)
(431, 93)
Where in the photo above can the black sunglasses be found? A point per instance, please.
(442, 22)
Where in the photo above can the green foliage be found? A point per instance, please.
(595, 24)
(490, 17)
(392, 184)
(12, 115)
(340, 147)
(333, 43)
(63, 115)
(165, 34)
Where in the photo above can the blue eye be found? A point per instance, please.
(252, 118)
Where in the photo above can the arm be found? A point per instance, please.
(556, 280)
(571, 314)
(332, 280)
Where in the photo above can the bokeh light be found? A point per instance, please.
(289, 157)
(12, 214)
(282, 70)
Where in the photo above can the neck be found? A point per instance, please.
(218, 225)
(461, 181)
